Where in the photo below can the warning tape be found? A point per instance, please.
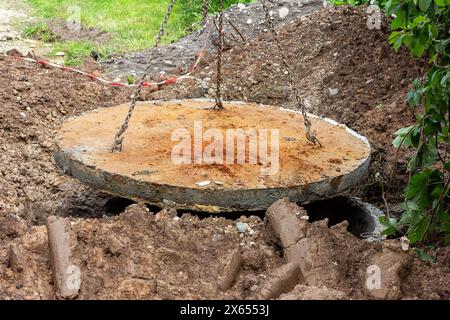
(167, 81)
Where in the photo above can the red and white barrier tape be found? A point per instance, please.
(112, 83)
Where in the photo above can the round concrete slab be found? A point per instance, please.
(213, 177)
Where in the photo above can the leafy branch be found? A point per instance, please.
(423, 26)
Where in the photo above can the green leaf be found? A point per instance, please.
(440, 3)
(417, 231)
(398, 42)
(418, 49)
(390, 225)
(437, 191)
(417, 188)
(441, 45)
(424, 256)
(424, 4)
(403, 136)
(429, 155)
(413, 98)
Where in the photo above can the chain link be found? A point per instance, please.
(219, 104)
(205, 9)
(311, 136)
(118, 140)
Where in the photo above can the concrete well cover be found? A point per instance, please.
(163, 134)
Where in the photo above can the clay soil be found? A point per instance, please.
(139, 252)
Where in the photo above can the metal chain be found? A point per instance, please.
(311, 136)
(205, 9)
(118, 140)
(219, 104)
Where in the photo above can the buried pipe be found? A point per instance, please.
(363, 218)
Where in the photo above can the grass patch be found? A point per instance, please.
(39, 31)
(77, 51)
(131, 24)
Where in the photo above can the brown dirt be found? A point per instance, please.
(141, 255)
(34, 103)
(61, 31)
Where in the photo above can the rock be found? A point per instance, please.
(281, 280)
(390, 263)
(404, 243)
(16, 257)
(249, 21)
(241, 6)
(230, 270)
(333, 92)
(203, 183)
(283, 13)
(241, 227)
(304, 292)
(60, 54)
(115, 246)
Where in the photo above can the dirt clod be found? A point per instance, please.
(16, 258)
(230, 269)
(280, 280)
(389, 265)
(304, 292)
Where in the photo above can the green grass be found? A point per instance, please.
(131, 24)
(40, 31)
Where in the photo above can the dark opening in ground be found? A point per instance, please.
(117, 205)
(360, 216)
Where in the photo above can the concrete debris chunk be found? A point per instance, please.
(283, 216)
(16, 256)
(66, 275)
(283, 13)
(230, 270)
(384, 275)
(281, 280)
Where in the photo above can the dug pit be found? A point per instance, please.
(177, 152)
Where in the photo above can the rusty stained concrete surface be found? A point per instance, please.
(144, 170)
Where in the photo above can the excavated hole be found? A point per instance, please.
(117, 205)
(361, 217)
